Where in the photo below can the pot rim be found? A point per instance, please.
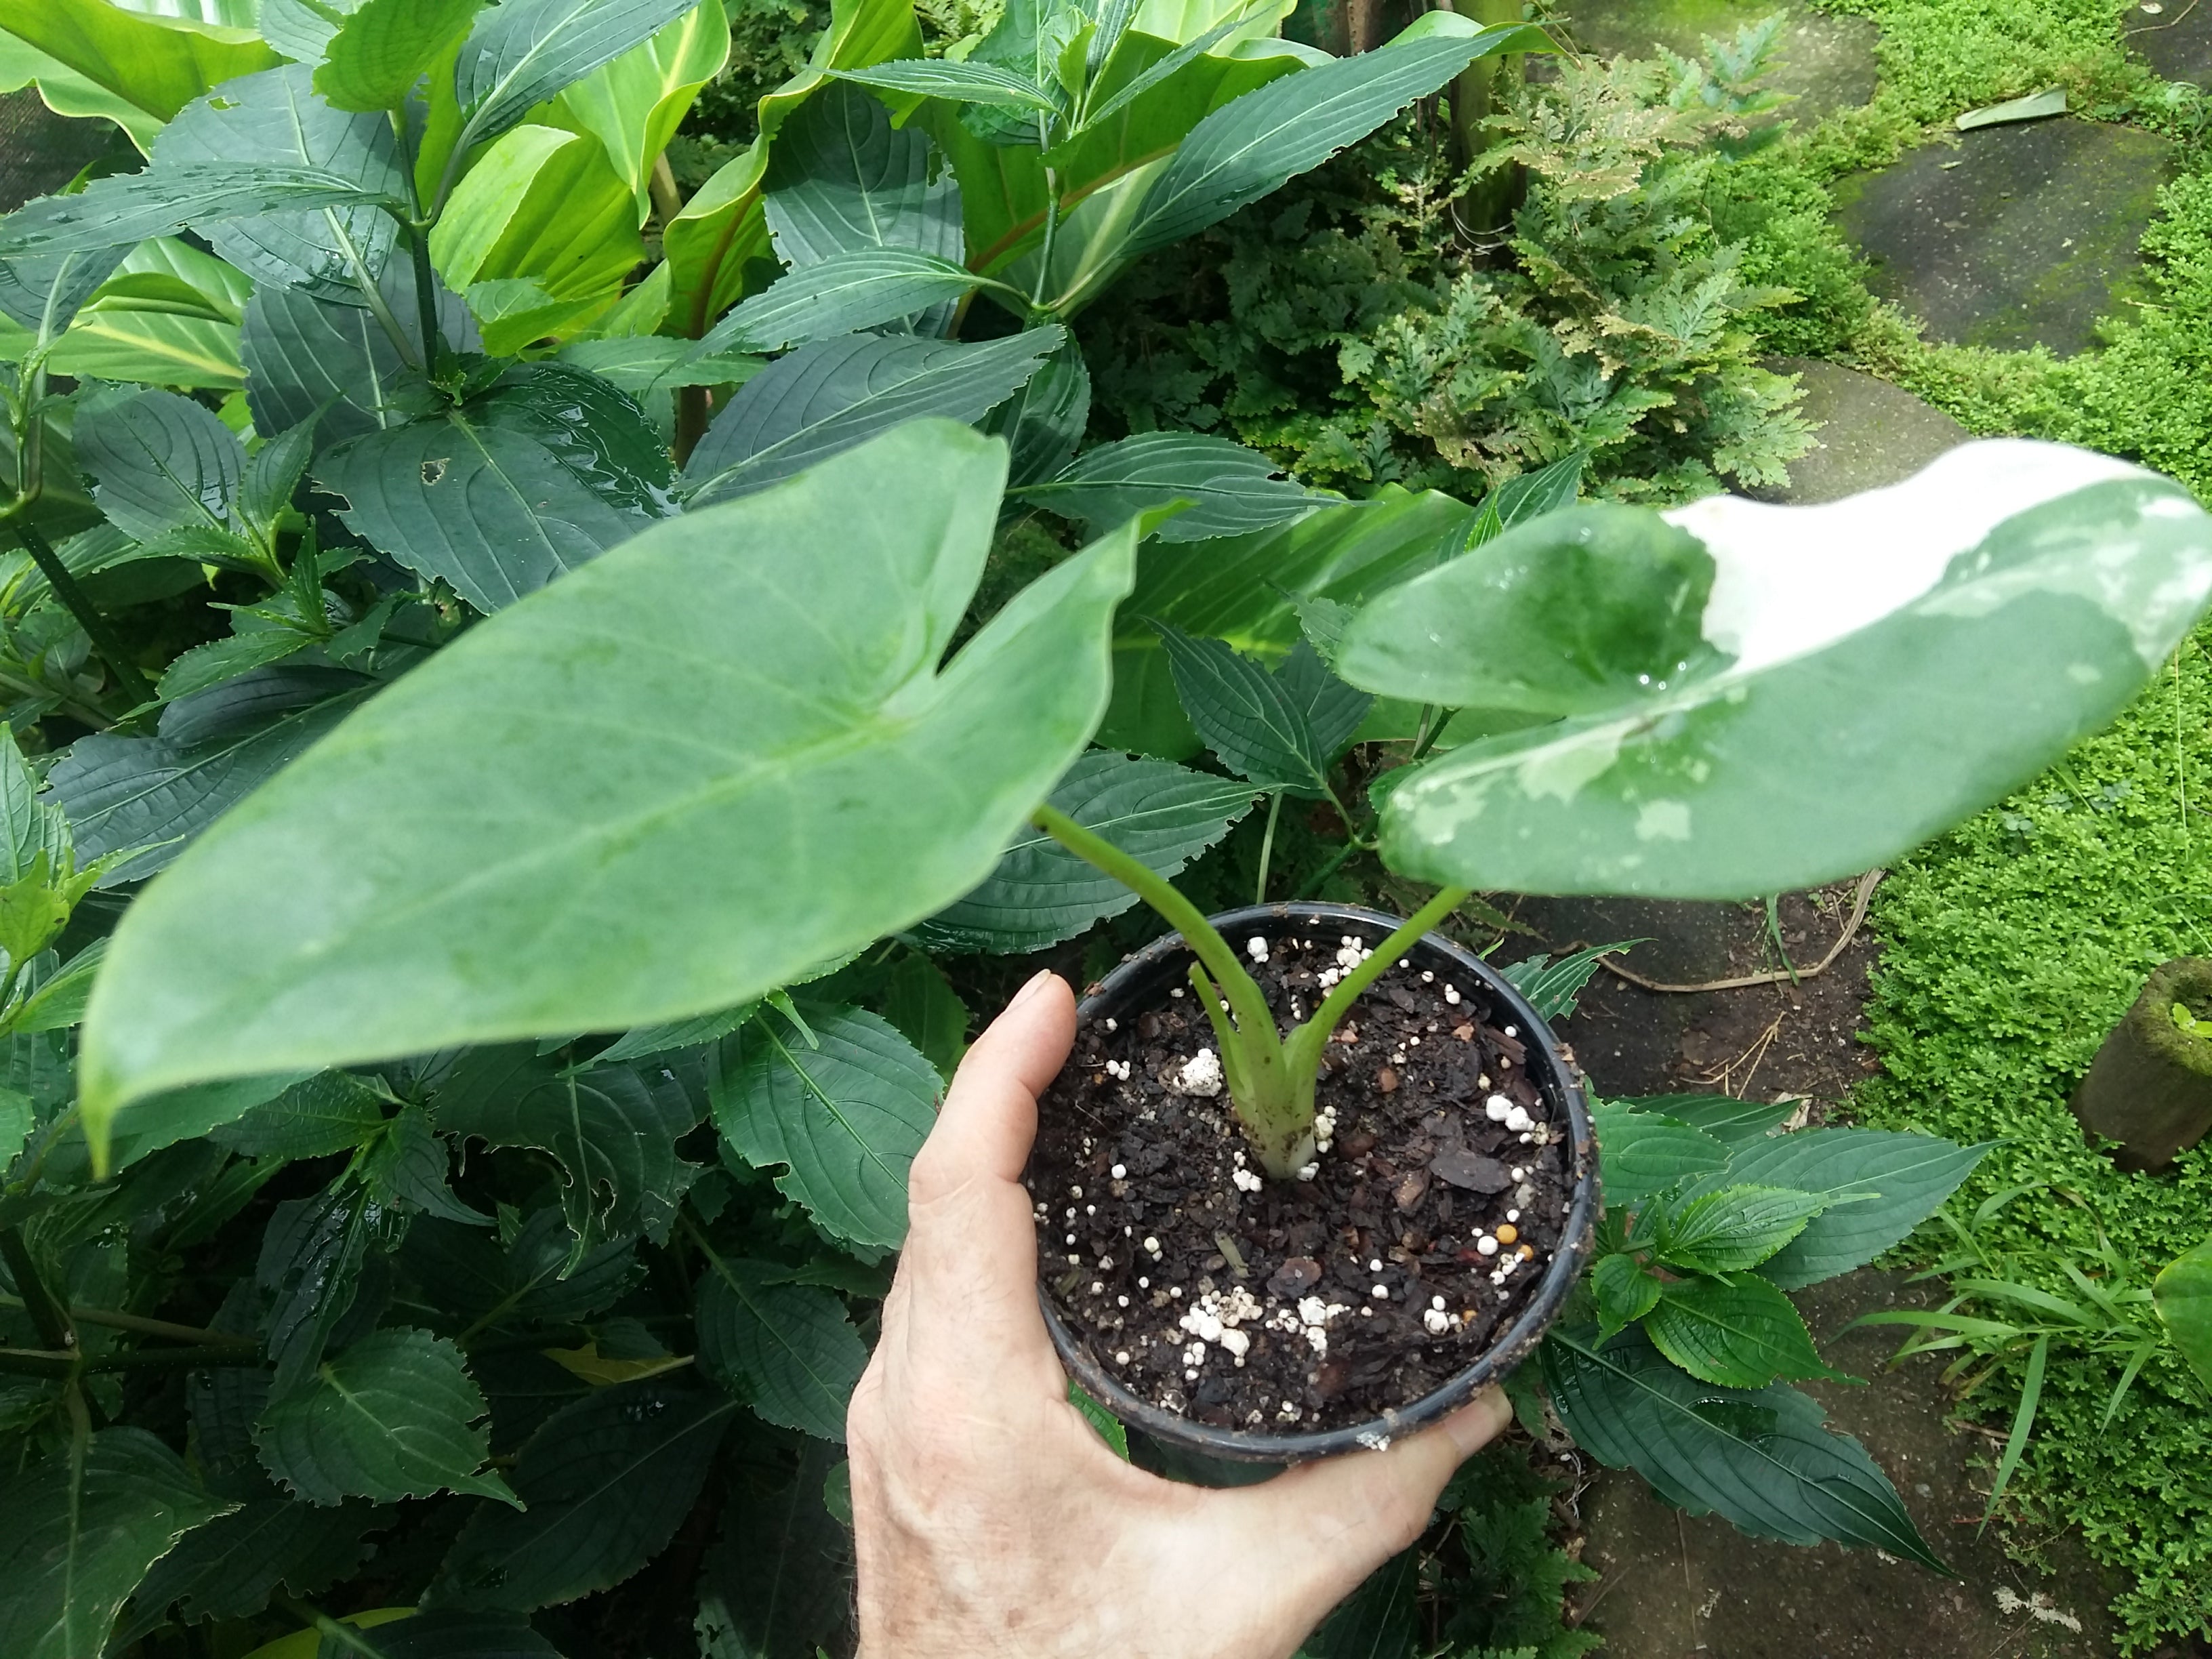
(1515, 1344)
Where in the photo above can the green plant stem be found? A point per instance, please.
(332, 1630)
(426, 295)
(143, 1327)
(1433, 721)
(46, 1362)
(1347, 991)
(80, 605)
(47, 1316)
(1266, 850)
(1051, 225)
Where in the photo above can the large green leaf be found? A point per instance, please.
(865, 288)
(1732, 1224)
(169, 315)
(1731, 1121)
(1642, 1153)
(129, 207)
(963, 82)
(159, 462)
(843, 180)
(777, 1583)
(156, 63)
(785, 1349)
(275, 117)
(634, 105)
(1760, 1459)
(330, 1112)
(1160, 813)
(1900, 660)
(1586, 609)
(826, 397)
(79, 1539)
(547, 469)
(209, 750)
(311, 1269)
(614, 1136)
(44, 295)
(1744, 1335)
(844, 1114)
(469, 860)
(394, 1416)
(303, 354)
(521, 53)
(383, 48)
(607, 1482)
(229, 1568)
(1231, 489)
(1252, 146)
(542, 208)
(1879, 1186)
(2182, 1294)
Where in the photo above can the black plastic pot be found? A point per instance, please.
(1143, 981)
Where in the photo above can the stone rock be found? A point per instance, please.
(1871, 433)
(2176, 40)
(41, 151)
(2017, 236)
(1825, 63)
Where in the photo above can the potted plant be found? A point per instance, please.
(1269, 1247)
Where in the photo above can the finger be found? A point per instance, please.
(1331, 1523)
(990, 1115)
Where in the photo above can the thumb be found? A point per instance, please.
(1345, 1516)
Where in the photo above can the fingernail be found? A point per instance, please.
(1036, 983)
(1474, 1425)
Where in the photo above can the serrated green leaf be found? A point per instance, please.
(1731, 1121)
(778, 1581)
(394, 1416)
(1761, 1460)
(78, 1540)
(865, 288)
(785, 1349)
(1734, 1226)
(44, 295)
(1743, 1334)
(311, 1267)
(1552, 987)
(472, 890)
(649, 1040)
(607, 1480)
(1044, 421)
(1642, 1153)
(538, 1278)
(1334, 710)
(1162, 814)
(1626, 1292)
(1248, 717)
(920, 1003)
(159, 462)
(408, 1166)
(205, 666)
(521, 53)
(968, 83)
(330, 1112)
(827, 398)
(1232, 490)
(844, 1114)
(1107, 1426)
(229, 1568)
(383, 48)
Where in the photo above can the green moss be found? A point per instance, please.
(1940, 56)
(2010, 948)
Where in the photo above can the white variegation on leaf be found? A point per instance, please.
(1832, 684)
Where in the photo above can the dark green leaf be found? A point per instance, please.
(1045, 420)
(651, 1040)
(1742, 1334)
(827, 398)
(330, 1112)
(220, 661)
(606, 1480)
(865, 288)
(302, 354)
(229, 1568)
(1248, 717)
(845, 1115)
(159, 462)
(778, 1581)
(1378, 1620)
(409, 1167)
(1529, 495)
(1734, 1226)
(538, 1279)
(521, 53)
(1626, 1292)
(1641, 1153)
(1761, 1460)
(785, 1349)
(76, 1546)
(44, 295)
(920, 1003)
(1232, 489)
(1334, 710)
(311, 1265)
(1726, 1119)
(472, 860)
(1159, 813)
(1552, 987)
(440, 1634)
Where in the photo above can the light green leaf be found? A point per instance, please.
(33, 833)
(1159, 813)
(383, 48)
(1761, 1460)
(607, 1480)
(393, 1416)
(865, 288)
(1642, 1153)
(469, 861)
(2024, 593)
(1878, 1186)
(826, 397)
(1731, 1121)
(159, 462)
(1250, 147)
(845, 1115)
(634, 105)
(1232, 489)
(522, 53)
(1742, 1334)
(2183, 1293)
(1107, 1426)
(1735, 1226)
(1594, 608)
(1246, 716)
(543, 206)
(785, 1349)
(154, 63)
(964, 83)
(1156, 73)
(78, 1541)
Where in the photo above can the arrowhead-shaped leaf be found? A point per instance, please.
(394, 1416)
(1160, 813)
(1945, 639)
(78, 1542)
(1232, 489)
(845, 1113)
(785, 1349)
(1760, 1459)
(607, 1482)
(2182, 1294)
(469, 861)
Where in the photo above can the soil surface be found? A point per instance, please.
(1434, 1208)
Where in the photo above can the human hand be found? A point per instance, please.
(992, 1521)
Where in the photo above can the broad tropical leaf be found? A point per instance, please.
(2182, 1294)
(634, 105)
(844, 1114)
(383, 48)
(843, 180)
(785, 1349)
(152, 63)
(2023, 594)
(467, 825)
(521, 53)
(393, 1416)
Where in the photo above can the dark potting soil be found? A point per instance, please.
(1359, 1289)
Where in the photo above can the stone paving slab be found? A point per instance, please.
(1826, 63)
(1871, 433)
(2176, 40)
(2018, 236)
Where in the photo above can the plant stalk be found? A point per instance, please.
(1267, 848)
(79, 605)
(426, 297)
(143, 1327)
(47, 1316)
